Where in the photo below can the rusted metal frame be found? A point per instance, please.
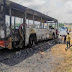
(10, 21)
(57, 24)
(21, 21)
(10, 13)
(4, 13)
(41, 23)
(47, 25)
(24, 22)
(33, 20)
(51, 23)
(14, 26)
(28, 23)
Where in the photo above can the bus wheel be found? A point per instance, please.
(53, 36)
(32, 41)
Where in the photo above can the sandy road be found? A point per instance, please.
(66, 64)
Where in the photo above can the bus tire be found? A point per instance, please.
(32, 40)
(53, 36)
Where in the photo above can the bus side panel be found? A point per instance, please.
(30, 31)
(42, 34)
(27, 36)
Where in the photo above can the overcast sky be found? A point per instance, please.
(59, 9)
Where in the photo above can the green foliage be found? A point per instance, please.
(18, 24)
(71, 24)
(61, 25)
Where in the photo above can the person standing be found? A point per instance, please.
(70, 30)
(67, 30)
(68, 41)
(64, 38)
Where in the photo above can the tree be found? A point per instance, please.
(61, 25)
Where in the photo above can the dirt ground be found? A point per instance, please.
(65, 64)
(46, 57)
(59, 51)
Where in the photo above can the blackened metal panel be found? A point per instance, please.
(17, 6)
(24, 22)
(4, 12)
(29, 11)
(10, 19)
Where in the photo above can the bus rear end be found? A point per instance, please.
(9, 36)
(4, 41)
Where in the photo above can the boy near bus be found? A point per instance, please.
(70, 30)
(68, 41)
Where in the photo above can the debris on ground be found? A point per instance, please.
(42, 53)
(48, 56)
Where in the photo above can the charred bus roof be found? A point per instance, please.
(18, 10)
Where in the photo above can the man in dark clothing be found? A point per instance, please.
(64, 38)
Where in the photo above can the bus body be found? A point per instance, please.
(20, 26)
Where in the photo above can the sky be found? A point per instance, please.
(59, 9)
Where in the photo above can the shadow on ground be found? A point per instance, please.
(13, 57)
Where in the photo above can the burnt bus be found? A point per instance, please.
(16, 29)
